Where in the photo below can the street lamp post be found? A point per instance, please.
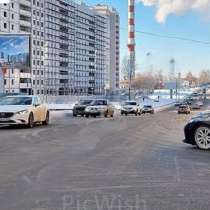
(130, 77)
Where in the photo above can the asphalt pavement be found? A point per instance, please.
(124, 163)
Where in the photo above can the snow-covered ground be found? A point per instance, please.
(157, 105)
(163, 95)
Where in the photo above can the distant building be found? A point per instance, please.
(113, 47)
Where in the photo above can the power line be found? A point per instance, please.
(170, 37)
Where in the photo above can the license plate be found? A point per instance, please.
(4, 119)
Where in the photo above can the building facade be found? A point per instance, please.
(113, 46)
(68, 47)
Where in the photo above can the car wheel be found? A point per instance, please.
(31, 121)
(122, 113)
(74, 115)
(87, 115)
(47, 119)
(202, 137)
(111, 115)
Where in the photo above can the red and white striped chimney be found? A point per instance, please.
(131, 36)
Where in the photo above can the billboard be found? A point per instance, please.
(15, 51)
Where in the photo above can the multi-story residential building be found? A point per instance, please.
(113, 50)
(68, 47)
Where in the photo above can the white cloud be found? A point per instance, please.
(4, 1)
(177, 7)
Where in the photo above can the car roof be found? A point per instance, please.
(20, 96)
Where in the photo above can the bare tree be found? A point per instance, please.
(191, 78)
(125, 68)
(204, 77)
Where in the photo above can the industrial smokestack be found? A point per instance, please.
(131, 37)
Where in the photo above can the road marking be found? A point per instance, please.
(177, 167)
(27, 179)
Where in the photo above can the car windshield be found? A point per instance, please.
(129, 103)
(98, 103)
(147, 106)
(16, 101)
(86, 102)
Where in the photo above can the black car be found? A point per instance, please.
(197, 131)
(79, 108)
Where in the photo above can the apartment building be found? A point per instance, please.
(68, 47)
(113, 46)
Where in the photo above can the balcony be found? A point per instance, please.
(25, 23)
(26, 3)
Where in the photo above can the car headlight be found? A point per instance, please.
(87, 109)
(22, 112)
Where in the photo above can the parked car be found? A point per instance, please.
(99, 108)
(131, 107)
(197, 131)
(195, 106)
(184, 109)
(79, 108)
(148, 109)
(23, 110)
(200, 103)
(178, 103)
(188, 101)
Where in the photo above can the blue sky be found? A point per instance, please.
(189, 56)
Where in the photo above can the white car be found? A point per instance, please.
(23, 110)
(200, 103)
(99, 107)
(131, 107)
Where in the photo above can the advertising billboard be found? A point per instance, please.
(15, 51)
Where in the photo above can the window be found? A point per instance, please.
(5, 14)
(5, 25)
(12, 16)
(12, 27)
(12, 5)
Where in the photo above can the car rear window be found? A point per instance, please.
(130, 103)
(99, 103)
(86, 102)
